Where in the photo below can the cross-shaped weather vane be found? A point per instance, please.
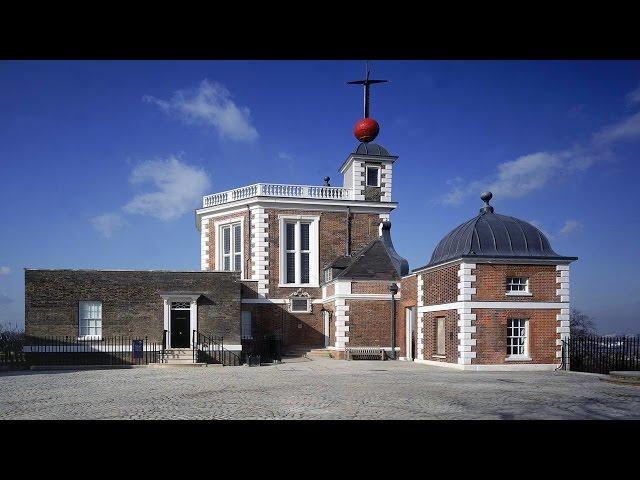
(367, 128)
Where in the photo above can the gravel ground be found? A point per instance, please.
(320, 389)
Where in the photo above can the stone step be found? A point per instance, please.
(182, 365)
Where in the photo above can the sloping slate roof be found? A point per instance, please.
(378, 260)
(493, 235)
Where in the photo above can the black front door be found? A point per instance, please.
(180, 322)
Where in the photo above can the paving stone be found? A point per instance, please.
(320, 389)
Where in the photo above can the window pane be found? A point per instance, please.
(299, 305)
(304, 268)
(291, 236)
(304, 236)
(226, 240)
(246, 325)
(372, 177)
(227, 263)
(237, 239)
(291, 268)
(237, 265)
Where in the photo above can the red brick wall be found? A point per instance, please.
(441, 285)
(491, 335)
(212, 241)
(371, 287)
(370, 323)
(330, 289)
(332, 242)
(451, 336)
(296, 329)
(491, 281)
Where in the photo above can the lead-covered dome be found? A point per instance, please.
(372, 149)
(496, 236)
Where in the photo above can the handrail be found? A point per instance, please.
(212, 348)
(277, 190)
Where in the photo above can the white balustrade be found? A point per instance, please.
(277, 190)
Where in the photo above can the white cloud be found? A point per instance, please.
(570, 226)
(210, 104)
(533, 172)
(634, 97)
(513, 179)
(627, 129)
(108, 223)
(5, 270)
(179, 187)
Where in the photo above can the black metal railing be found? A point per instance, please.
(601, 354)
(11, 354)
(210, 349)
(116, 350)
(267, 349)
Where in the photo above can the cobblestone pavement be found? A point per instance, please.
(320, 389)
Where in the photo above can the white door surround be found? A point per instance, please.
(169, 297)
(326, 328)
(408, 315)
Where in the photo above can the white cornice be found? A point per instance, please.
(283, 203)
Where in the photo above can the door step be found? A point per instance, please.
(183, 365)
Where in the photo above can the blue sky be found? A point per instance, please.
(104, 162)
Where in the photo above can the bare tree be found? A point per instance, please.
(581, 323)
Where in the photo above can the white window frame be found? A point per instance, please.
(88, 337)
(243, 331)
(366, 175)
(525, 355)
(314, 250)
(219, 226)
(516, 293)
(307, 310)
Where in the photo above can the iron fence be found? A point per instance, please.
(11, 354)
(596, 354)
(210, 349)
(59, 350)
(267, 349)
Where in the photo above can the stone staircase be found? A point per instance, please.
(305, 351)
(179, 357)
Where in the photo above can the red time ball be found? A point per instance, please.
(366, 129)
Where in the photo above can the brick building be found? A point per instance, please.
(315, 266)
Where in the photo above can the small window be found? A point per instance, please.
(300, 305)
(517, 337)
(517, 285)
(373, 176)
(327, 275)
(246, 326)
(90, 316)
(440, 336)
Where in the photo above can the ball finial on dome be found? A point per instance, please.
(366, 129)
(486, 197)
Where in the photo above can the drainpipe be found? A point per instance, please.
(348, 250)
(247, 262)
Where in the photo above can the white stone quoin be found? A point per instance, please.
(563, 317)
(204, 247)
(420, 317)
(260, 249)
(466, 279)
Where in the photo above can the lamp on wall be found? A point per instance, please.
(393, 288)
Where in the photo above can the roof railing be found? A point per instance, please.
(278, 190)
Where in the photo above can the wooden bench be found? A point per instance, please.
(365, 353)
